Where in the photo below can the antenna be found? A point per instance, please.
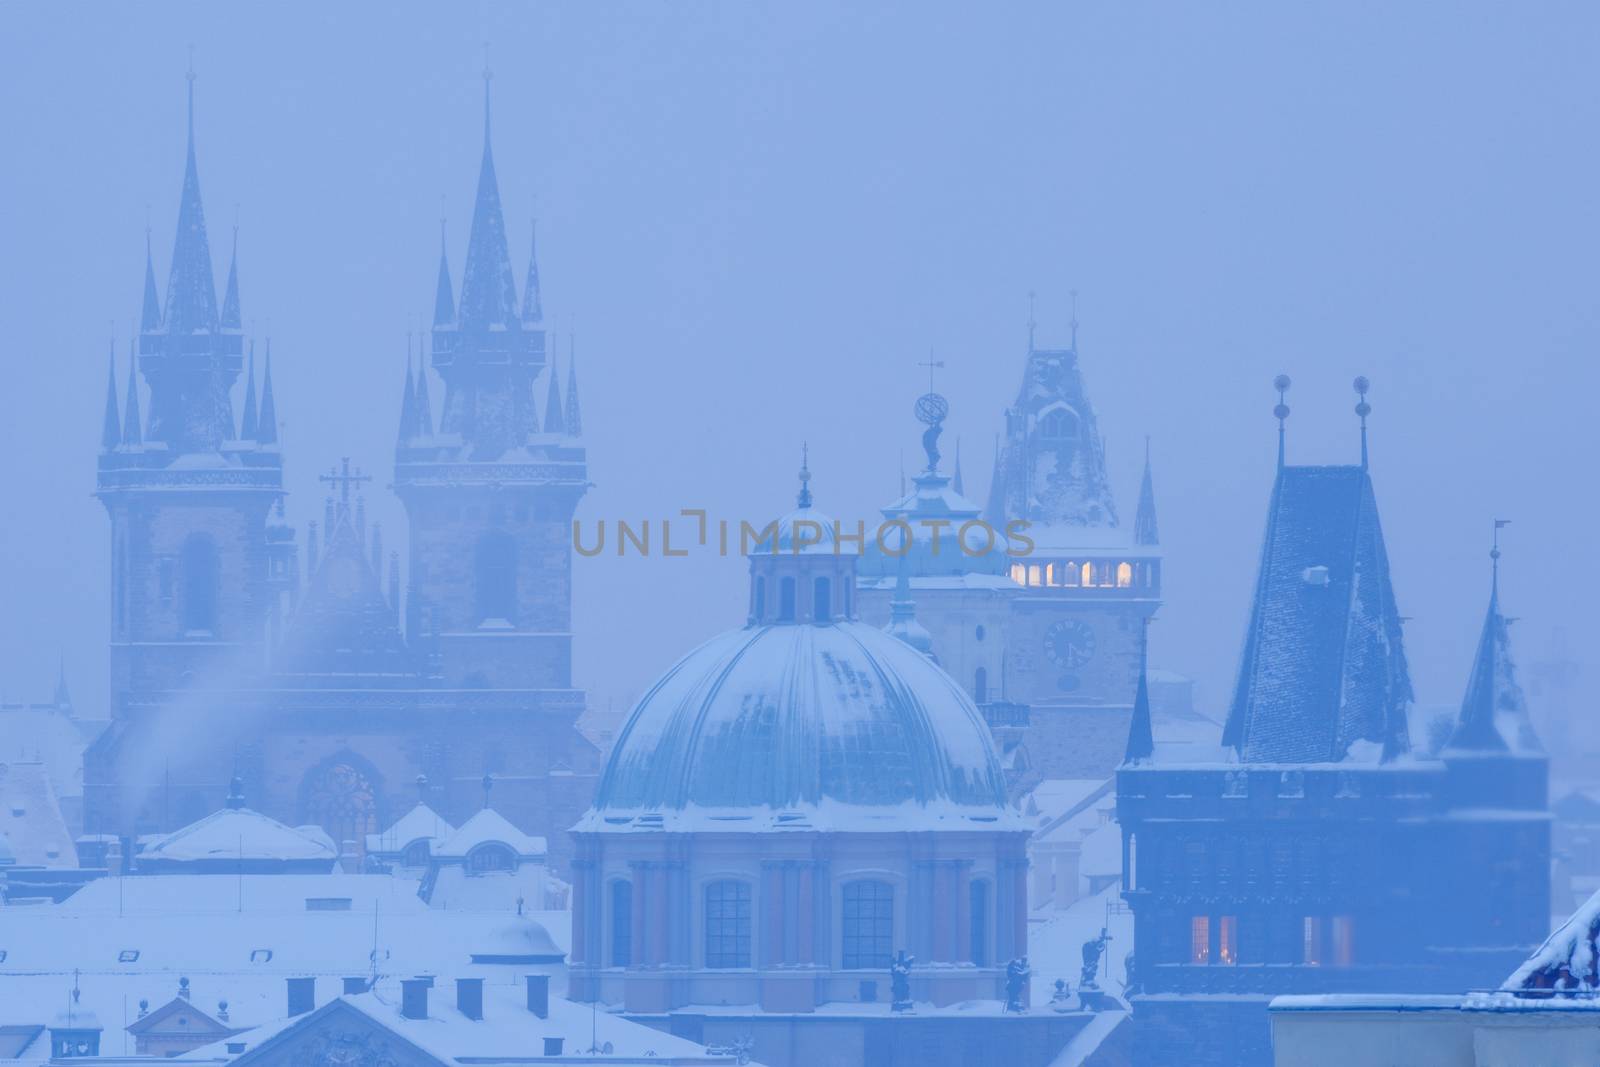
(1363, 409)
(1281, 412)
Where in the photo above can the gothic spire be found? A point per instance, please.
(267, 430)
(802, 499)
(408, 399)
(249, 424)
(132, 421)
(1494, 714)
(424, 405)
(574, 416)
(111, 429)
(230, 299)
(150, 314)
(488, 290)
(444, 301)
(553, 421)
(63, 698)
(1145, 531)
(532, 305)
(1141, 739)
(955, 481)
(191, 287)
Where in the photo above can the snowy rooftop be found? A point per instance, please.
(32, 830)
(485, 826)
(421, 823)
(1567, 962)
(238, 833)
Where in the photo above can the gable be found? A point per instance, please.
(178, 1016)
(337, 1035)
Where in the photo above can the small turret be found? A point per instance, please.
(1145, 531)
(249, 424)
(230, 299)
(111, 428)
(532, 305)
(150, 312)
(1141, 737)
(132, 420)
(408, 400)
(574, 417)
(444, 301)
(267, 432)
(553, 419)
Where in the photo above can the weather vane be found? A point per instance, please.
(931, 411)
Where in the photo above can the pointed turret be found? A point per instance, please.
(63, 698)
(230, 299)
(111, 428)
(574, 416)
(444, 301)
(267, 430)
(191, 288)
(424, 404)
(1494, 714)
(248, 426)
(553, 420)
(1141, 738)
(532, 305)
(408, 400)
(1145, 531)
(488, 289)
(132, 420)
(150, 313)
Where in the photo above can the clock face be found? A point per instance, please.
(1069, 643)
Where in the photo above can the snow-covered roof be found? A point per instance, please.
(1567, 962)
(458, 889)
(1055, 796)
(826, 724)
(1323, 667)
(243, 835)
(485, 826)
(421, 823)
(812, 530)
(31, 823)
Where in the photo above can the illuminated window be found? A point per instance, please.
(1019, 573)
(1311, 954)
(1086, 574)
(1124, 575)
(1343, 933)
(1033, 574)
(1228, 939)
(1200, 939)
(1049, 574)
(728, 924)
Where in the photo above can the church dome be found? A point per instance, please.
(841, 726)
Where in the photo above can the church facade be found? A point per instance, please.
(329, 695)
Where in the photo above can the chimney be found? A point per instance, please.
(414, 997)
(353, 986)
(302, 995)
(469, 998)
(552, 1046)
(539, 995)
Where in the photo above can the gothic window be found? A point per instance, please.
(1200, 939)
(621, 924)
(728, 924)
(342, 800)
(1124, 575)
(491, 857)
(980, 686)
(822, 597)
(1058, 425)
(496, 574)
(868, 925)
(199, 584)
(1228, 939)
(980, 923)
(786, 600)
(1086, 574)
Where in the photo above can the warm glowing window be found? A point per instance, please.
(1228, 939)
(1344, 940)
(1033, 574)
(1124, 575)
(1049, 574)
(1019, 573)
(1200, 939)
(1087, 574)
(1311, 954)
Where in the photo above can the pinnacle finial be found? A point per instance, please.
(1031, 323)
(1494, 555)
(1281, 411)
(488, 76)
(1074, 323)
(1363, 409)
(804, 497)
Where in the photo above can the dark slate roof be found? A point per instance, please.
(1323, 665)
(1494, 713)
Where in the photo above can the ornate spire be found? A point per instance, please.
(424, 408)
(803, 498)
(408, 399)
(574, 416)
(150, 314)
(1363, 409)
(267, 430)
(1141, 739)
(191, 287)
(1494, 713)
(111, 428)
(230, 299)
(249, 424)
(553, 421)
(532, 305)
(488, 290)
(1144, 520)
(132, 420)
(63, 698)
(444, 301)
(1281, 412)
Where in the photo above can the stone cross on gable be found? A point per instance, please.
(343, 477)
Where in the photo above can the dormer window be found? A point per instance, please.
(491, 857)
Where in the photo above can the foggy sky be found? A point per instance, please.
(760, 217)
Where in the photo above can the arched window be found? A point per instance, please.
(786, 600)
(417, 854)
(1070, 574)
(491, 857)
(341, 798)
(1124, 575)
(1058, 424)
(496, 574)
(980, 686)
(199, 584)
(822, 601)
(621, 924)
(761, 599)
(1086, 572)
(728, 924)
(979, 893)
(867, 925)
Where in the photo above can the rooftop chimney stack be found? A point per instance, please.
(414, 997)
(302, 995)
(469, 998)
(539, 995)
(552, 1046)
(353, 985)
